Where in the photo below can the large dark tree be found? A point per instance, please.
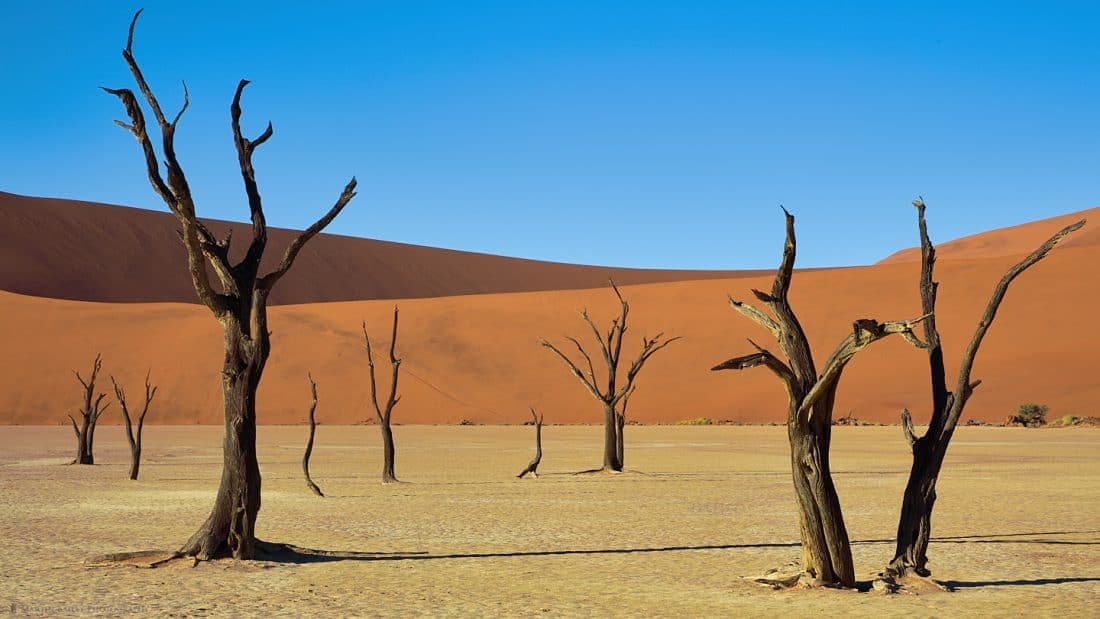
(384, 411)
(134, 438)
(90, 411)
(610, 393)
(826, 552)
(929, 449)
(240, 307)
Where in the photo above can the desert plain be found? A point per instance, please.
(698, 513)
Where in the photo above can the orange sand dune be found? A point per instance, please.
(1012, 241)
(476, 357)
(66, 249)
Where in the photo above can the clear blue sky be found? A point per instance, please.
(623, 133)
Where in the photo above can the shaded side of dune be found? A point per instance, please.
(65, 249)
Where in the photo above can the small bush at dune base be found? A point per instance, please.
(1029, 415)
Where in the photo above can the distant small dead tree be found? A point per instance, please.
(533, 466)
(611, 394)
(383, 412)
(929, 449)
(309, 443)
(89, 414)
(134, 438)
(826, 551)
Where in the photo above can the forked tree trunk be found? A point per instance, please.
(915, 522)
(384, 412)
(309, 443)
(826, 551)
(89, 413)
(134, 438)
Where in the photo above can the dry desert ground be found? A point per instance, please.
(700, 511)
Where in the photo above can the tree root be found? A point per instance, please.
(890, 581)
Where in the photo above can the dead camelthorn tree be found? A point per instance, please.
(929, 449)
(383, 412)
(309, 443)
(240, 307)
(611, 394)
(826, 552)
(89, 415)
(533, 466)
(620, 425)
(134, 438)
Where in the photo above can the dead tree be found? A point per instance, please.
(826, 552)
(309, 443)
(533, 467)
(383, 412)
(89, 415)
(612, 394)
(915, 523)
(240, 307)
(134, 439)
(620, 425)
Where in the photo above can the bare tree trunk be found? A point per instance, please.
(620, 451)
(825, 545)
(826, 551)
(384, 413)
(388, 453)
(135, 441)
(229, 530)
(533, 466)
(915, 522)
(611, 460)
(612, 394)
(309, 443)
(90, 411)
(240, 306)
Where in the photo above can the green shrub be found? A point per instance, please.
(1030, 415)
(698, 421)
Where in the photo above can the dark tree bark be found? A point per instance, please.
(620, 426)
(915, 523)
(134, 440)
(383, 412)
(309, 443)
(612, 394)
(826, 551)
(241, 306)
(533, 466)
(89, 412)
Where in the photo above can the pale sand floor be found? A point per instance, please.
(1017, 526)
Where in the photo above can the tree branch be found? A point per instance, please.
(269, 280)
(756, 316)
(844, 353)
(907, 427)
(967, 364)
(592, 388)
(245, 148)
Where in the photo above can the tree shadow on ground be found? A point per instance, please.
(286, 553)
(961, 584)
(297, 555)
